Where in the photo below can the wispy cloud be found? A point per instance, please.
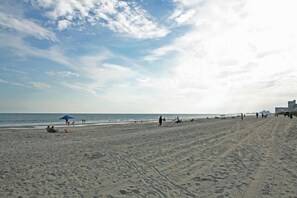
(40, 85)
(214, 57)
(62, 74)
(118, 16)
(32, 84)
(181, 16)
(23, 49)
(26, 27)
(3, 81)
(81, 87)
(158, 53)
(95, 67)
(14, 70)
(14, 83)
(222, 56)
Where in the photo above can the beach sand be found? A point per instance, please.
(204, 158)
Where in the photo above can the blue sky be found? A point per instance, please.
(154, 56)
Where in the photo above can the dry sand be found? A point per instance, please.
(205, 158)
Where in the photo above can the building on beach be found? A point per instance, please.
(292, 106)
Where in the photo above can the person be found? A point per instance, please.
(257, 115)
(178, 120)
(160, 120)
(52, 129)
(241, 116)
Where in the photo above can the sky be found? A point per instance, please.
(147, 56)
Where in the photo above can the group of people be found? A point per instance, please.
(51, 129)
(68, 123)
(262, 114)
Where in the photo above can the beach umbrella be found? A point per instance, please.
(66, 118)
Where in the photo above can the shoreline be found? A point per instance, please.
(32, 119)
(99, 123)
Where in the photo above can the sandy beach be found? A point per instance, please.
(204, 158)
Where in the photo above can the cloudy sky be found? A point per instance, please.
(147, 56)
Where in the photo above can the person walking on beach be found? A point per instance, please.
(160, 121)
(241, 116)
(257, 115)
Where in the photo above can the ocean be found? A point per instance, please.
(40, 120)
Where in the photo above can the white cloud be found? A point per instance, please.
(238, 55)
(182, 17)
(231, 51)
(40, 85)
(62, 74)
(95, 67)
(105, 76)
(3, 81)
(63, 24)
(161, 52)
(13, 83)
(82, 87)
(118, 16)
(22, 49)
(25, 26)
(14, 70)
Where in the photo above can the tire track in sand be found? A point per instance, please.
(254, 187)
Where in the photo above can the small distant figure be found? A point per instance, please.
(241, 116)
(178, 120)
(257, 115)
(262, 115)
(51, 129)
(160, 121)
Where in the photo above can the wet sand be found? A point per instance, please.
(204, 158)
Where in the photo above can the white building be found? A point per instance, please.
(292, 106)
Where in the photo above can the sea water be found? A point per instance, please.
(37, 120)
